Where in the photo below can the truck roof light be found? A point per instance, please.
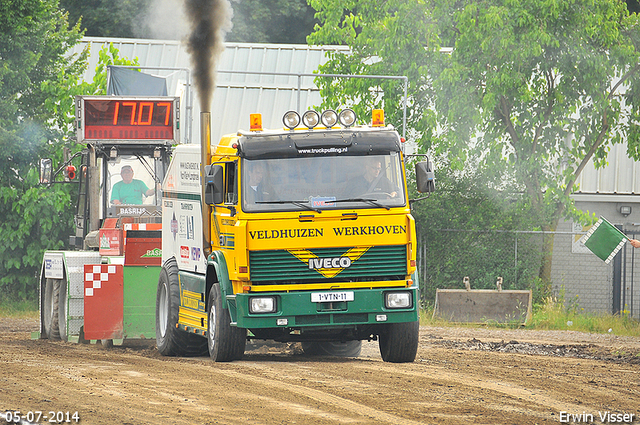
(377, 118)
(329, 118)
(310, 119)
(255, 122)
(291, 120)
(347, 117)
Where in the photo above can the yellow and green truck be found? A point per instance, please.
(302, 234)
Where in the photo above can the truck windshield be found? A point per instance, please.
(319, 183)
(133, 180)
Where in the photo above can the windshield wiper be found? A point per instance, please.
(296, 203)
(371, 201)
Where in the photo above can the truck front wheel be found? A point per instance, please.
(226, 342)
(170, 340)
(399, 342)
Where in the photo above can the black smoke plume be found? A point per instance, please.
(210, 20)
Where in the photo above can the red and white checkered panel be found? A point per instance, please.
(94, 278)
(103, 301)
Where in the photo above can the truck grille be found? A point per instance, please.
(283, 267)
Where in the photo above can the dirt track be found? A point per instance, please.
(461, 376)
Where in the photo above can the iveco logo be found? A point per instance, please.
(329, 263)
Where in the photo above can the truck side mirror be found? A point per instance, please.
(214, 184)
(46, 170)
(425, 178)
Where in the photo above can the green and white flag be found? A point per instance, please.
(604, 240)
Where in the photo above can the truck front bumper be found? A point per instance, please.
(326, 309)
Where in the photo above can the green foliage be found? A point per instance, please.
(254, 21)
(108, 55)
(531, 90)
(395, 37)
(38, 81)
(469, 228)
(119, 18)
(271, 21)
(35, 39)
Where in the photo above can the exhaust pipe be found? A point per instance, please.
(205, 159)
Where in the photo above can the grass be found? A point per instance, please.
(554, 315)
(19, 309)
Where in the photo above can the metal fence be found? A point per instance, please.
(446, 256)
(626, 293)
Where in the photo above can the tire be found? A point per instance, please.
(170, 340)
(226, 342)
(333, 348)
(399, 342)
(47, 308)
(62, 311)
(50, 309)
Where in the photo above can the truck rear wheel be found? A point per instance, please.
(226, 342)
(170, 340)
(333, 348)
(399, 342)
(50, 312)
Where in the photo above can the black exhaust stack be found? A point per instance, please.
(205, 159)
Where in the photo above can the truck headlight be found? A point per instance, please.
(262, 305)
(398, 300)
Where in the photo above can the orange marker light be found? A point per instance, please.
(255, 122)
(377, 118)
(71, 172)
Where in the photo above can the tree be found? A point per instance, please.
(534, 88)
(271, 21)
(36, 84)
(472, 229)
(254, 21)
(120, 18)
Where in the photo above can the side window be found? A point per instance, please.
(231, 183)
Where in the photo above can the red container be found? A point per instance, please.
(141, 250)
(103, 301)
(110, 241)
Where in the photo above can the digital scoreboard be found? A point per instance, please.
(127, 119)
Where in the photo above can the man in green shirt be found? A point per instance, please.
(129, 190)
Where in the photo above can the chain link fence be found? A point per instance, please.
(446, 256)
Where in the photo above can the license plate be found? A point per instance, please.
(331, 297)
